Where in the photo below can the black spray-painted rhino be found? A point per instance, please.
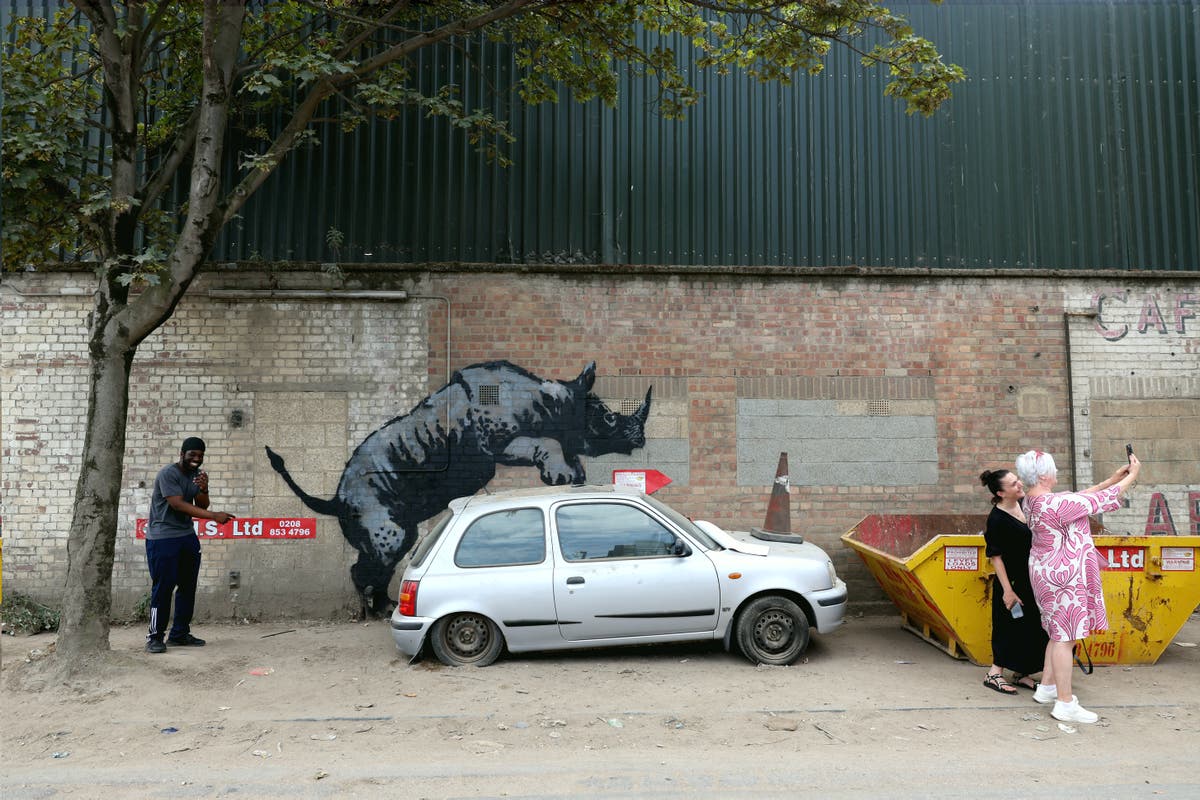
(449, 445)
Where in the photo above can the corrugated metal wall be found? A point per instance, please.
(1074, 144)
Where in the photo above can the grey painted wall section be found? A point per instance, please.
(828, 447)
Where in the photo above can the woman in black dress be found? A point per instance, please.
(1018, 640)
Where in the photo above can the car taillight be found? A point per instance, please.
(408, 598)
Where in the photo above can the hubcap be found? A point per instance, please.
(774, 630)
(467, 635)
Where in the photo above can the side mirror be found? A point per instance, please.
(681, 548)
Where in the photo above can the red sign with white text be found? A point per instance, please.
(250, 528)
(1122, 559)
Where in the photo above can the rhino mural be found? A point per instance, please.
(448, 446)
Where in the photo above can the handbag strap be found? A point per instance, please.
(1081, 646)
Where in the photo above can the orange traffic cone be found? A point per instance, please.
(779, 515)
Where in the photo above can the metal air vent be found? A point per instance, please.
(879, 408)
(629, 407)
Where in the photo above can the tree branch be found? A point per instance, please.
(158, 182)
(223, 21)
(307, 108)
(143, 38)
(456, 28)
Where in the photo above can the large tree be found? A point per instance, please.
(108, 106)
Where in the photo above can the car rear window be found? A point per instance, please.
(504, 538)
(429, 541)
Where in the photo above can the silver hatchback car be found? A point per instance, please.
(596, 566)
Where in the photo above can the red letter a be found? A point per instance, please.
(1158, 522)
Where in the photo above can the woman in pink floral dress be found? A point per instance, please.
(1064, 569)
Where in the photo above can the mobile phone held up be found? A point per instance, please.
(1129, 453)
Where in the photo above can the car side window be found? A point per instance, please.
(588, 531)
(504, 538)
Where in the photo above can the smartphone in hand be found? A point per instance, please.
(1129, 452)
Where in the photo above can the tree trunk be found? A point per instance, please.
(118, 327)
(87, 599)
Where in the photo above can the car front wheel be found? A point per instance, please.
(773, 630)
(466, 639)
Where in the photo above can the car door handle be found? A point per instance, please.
(575, 580)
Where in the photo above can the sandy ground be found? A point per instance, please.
(330, 711)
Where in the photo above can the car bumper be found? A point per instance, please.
(409, 633)
(829, 606)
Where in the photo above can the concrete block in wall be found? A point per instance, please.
(828, 448)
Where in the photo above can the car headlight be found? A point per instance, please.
(832, 574)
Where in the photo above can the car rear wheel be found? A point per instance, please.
(773, 630)
(466, 640)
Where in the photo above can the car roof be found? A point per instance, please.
(539, 494)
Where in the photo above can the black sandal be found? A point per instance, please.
(1019, 680)
(997, 683)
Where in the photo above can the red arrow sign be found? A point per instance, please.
(645, 480)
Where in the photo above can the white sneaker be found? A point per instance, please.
(1073, 712)
(1045, 694)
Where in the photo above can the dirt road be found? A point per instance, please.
(330, 711)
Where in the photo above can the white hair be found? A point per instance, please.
(1034, 465)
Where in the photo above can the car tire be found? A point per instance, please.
(466, 640)
(773, 630)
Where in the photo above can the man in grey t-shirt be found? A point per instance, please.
(173, 548)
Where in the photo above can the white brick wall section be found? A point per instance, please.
(1147, 356)
(184, 381)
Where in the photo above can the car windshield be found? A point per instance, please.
(691, 528)
(430, 540)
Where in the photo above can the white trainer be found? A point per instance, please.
(1073, 712)
(1045, 694)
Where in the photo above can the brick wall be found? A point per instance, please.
(1136, 352)
(972, 369)
(308, 380)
